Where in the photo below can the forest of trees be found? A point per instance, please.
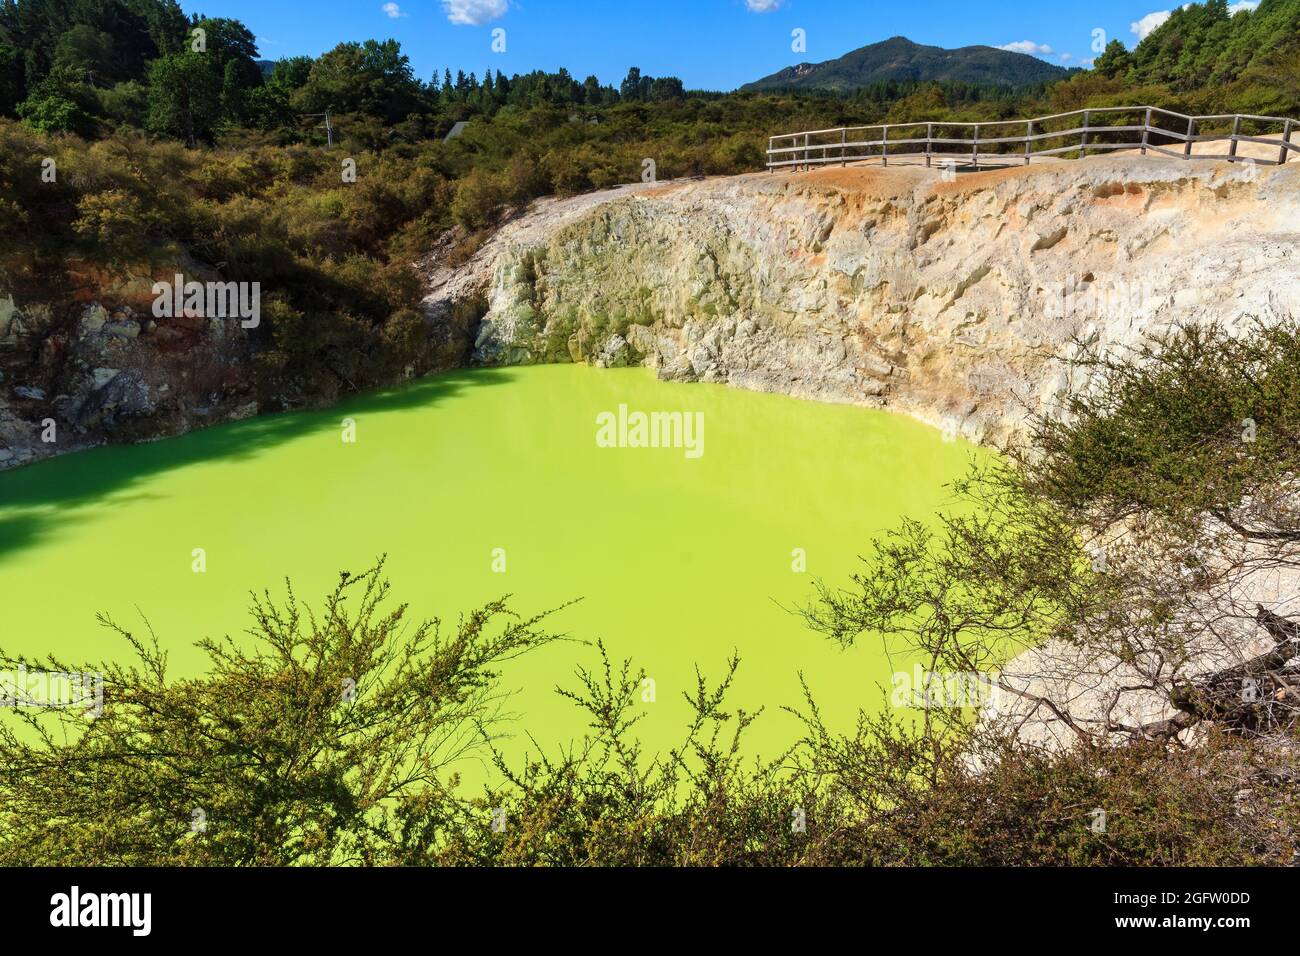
(91, 66)
(88, 66)
(1239, 62)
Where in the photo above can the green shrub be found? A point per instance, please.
(54, 113)
(479, 196)
(114, 220)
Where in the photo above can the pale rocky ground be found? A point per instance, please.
(1096, 688)
(944, 300)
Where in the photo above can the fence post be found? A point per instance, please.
(1146, 132)
(1083, 146)
(929, 142)
(1029, 134)
(975, 146)
(844, 146)
(1286, 138)
(806, 165)
(1191, 129)
(770, 141)
(884, 146)
(1236, 131)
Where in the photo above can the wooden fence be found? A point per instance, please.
(1128, 127)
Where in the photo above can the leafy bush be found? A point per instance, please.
(478, 197)
(54, 113)
(113, 220)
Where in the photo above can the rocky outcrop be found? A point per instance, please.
(98, 376)
(882, 287)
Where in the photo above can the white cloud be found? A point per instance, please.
(1027, 46)
(475, 13)
(393, 11)
(1147, 24)
(1067, 57)
(762, 6)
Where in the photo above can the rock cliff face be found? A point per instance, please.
(93, 377)
(882, 287)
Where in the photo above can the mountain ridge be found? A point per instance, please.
(899, 59)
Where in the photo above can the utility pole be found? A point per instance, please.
(328, 127)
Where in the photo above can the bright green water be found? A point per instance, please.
(679, 561)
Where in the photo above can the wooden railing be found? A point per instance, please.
(1131, 127)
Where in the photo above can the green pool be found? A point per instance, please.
(681, 553)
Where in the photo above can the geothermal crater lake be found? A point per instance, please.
(679, 558)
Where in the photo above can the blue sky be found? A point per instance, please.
(710, 44)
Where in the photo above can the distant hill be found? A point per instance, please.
(898, 59)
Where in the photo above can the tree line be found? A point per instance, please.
(1243, 60)
(81, 65)
(94, 66)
